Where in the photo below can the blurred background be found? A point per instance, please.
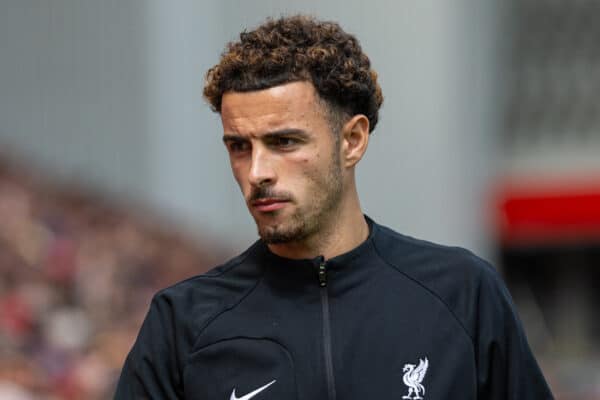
(114, 182)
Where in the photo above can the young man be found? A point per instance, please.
(327, 304)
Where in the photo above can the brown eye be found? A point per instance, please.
(238, 146)
(286, 141)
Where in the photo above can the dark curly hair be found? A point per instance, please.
(299, 48)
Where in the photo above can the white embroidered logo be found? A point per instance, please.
(413, 378)
(251, 394)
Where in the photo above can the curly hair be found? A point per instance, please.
(299, 48)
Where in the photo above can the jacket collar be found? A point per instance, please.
(303, 266)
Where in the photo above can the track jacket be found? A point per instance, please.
(395, 318)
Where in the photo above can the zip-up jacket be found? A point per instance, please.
(394, 318)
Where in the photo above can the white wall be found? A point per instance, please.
(111, 92)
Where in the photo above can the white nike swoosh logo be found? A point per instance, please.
(251, 394)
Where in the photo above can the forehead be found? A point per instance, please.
(291, 103)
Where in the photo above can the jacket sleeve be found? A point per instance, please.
(151, 370)
(507, 369)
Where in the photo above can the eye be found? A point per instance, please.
(285, 142)
(237, 146)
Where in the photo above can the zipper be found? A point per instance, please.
(326, 330)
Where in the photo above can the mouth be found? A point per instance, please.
(268, 204)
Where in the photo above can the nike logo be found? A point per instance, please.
(251, 394)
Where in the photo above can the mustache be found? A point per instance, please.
(268, 193)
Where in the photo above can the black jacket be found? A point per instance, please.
(394, 317)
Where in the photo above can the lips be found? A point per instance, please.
(267, 205)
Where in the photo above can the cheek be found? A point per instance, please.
(237, 170)
(301, 167)
(308, 170)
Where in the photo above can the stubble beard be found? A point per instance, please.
(315, 216)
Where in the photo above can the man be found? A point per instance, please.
(327, 304)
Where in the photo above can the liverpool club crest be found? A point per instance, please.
(413, 376)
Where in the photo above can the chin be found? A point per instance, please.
(277, 234)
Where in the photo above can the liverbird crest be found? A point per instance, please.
(413, 376)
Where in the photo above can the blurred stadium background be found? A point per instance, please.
(113, 182)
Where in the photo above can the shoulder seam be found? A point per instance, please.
(429, 290)
(226, 268)
(221, 310)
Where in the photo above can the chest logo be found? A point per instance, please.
(251, 394)
(413, 376)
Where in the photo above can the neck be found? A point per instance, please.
(344, 230)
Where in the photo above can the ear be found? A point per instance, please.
(355, 138)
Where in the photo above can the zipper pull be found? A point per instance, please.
(322, 274)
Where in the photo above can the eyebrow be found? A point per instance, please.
(268, 135)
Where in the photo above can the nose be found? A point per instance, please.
(262, 172)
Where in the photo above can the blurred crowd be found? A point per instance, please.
(76, 278)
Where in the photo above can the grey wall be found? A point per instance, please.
(73, 89)
(110, 92)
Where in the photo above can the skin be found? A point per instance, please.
(298, 180)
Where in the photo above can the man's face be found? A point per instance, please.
(285, 158)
